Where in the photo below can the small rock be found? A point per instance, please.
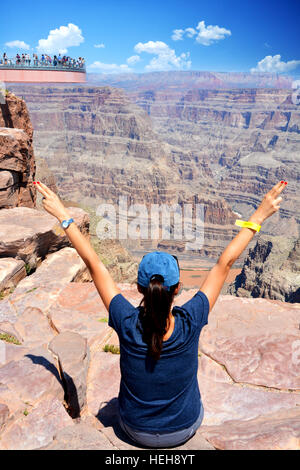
(72, 352)
(11, 272)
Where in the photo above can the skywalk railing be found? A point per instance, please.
(40, 65)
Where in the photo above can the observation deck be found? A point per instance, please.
(12, 72)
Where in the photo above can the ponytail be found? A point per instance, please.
(156, 305)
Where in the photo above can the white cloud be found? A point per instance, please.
(60, 39)
(205, 35)
(133, 59)
(177, 34)
(165, 59)
(99, 46)
(109, 68)
(18, 44)
(273, 64)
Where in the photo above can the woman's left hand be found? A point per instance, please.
(51, 202)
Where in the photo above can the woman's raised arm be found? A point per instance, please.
(214, 282)
(103, 281)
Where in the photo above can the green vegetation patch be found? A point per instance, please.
(9, 338)
(111, 348)
(103, 320)
(6, 292)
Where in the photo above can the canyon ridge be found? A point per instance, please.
(173, 138)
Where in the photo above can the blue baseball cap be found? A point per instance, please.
(158, 262)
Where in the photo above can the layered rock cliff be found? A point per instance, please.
(100, 146)
(271, 270)
(249, 139)
(17, 163)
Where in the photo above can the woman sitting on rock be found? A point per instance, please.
(159, 399)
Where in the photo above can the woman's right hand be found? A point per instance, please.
(51, 202)
(270, 204)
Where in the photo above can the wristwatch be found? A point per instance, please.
(65, 223)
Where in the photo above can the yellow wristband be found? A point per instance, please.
(253, 225)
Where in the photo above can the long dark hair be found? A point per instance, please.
(156, 306)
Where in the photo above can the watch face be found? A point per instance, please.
(65, 224)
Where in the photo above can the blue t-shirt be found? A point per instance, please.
(163, 395)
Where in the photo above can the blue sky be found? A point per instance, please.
(159, 35)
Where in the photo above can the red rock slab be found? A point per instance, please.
(32, 377)
(37, 297)
(64, 266)
(34, 327)
(37, 428)
(8, 313)
(274, 431)
(10, 399)
(224, 400)
(256, 340)
(80, 437)
(78, 308)
(103, 381)
(93, 330)
(13, 352)
(82, 297)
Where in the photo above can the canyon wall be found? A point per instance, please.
(248, 139)
(166, 139)
(271, 270)
(100, 146)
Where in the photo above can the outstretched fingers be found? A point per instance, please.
(278, 188)
(45, 188)
(41, 190)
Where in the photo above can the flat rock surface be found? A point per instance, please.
(36, 427)
(256, 340)
(276, 431)
(225, 400)
(80, 436)
(248, 371)
(33, 327)
(32, 377)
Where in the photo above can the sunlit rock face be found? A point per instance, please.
(271, 270)
(17, 163)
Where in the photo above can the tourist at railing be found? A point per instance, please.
(44, 60)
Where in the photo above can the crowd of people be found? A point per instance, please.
(42, 60)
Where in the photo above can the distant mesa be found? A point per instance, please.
(42, 69)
